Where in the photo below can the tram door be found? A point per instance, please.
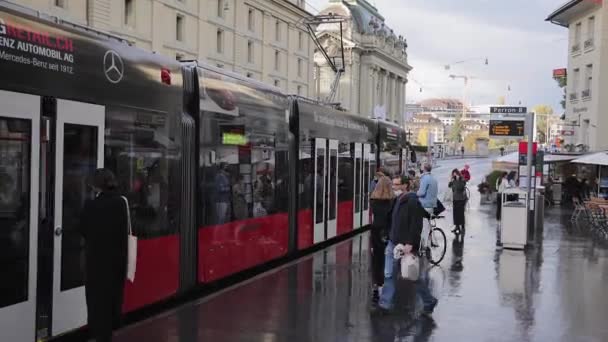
(357, 175)
(326, 189)
(361, 176)
(19, 157)
(366, 175)
(79, 146)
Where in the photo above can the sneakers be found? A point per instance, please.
(428, 310)
(377, 310)
(375, 295)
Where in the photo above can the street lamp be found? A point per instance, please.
(449, 66)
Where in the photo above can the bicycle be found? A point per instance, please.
(435, 252)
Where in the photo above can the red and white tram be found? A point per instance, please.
(223, 173)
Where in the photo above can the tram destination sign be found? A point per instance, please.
(507, 122)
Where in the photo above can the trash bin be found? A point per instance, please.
(514, 219)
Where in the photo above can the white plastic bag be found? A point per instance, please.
(410, 269)
(447, 196)
(131, 246)
(258, 210)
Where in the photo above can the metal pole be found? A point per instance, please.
(529, 168)
(529, 154)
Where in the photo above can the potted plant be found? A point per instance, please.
(488, 187)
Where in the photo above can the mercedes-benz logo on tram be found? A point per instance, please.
(113, 66)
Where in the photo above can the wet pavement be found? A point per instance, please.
(552, 292)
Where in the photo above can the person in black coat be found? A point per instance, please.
(406, 223)
(381, 199)
(104, 225)
(459, 199)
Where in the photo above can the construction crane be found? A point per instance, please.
(337, 68)
(466, 79)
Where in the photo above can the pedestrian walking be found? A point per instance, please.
(465, 173)
(502, 184)
(459, 199)
(414, 180)
(381, 200)
(104, 225)
(427, 194)
(406, 222)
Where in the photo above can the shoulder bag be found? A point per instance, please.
(131, 246)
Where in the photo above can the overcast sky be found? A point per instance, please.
(521, 47)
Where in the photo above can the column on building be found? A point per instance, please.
(391, 97)
(387, 92)
(366, 91)
(382, 88)
(371, 100)
(399, 101)
(403, 98)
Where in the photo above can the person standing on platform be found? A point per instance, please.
(459, 199)
(104, 225)
(372, 185)
(381, 200)
(466, 175)
(406, 217)
(427, 194)
(501, 185)
(414, 180)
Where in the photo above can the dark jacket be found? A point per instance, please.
(104, 227)
(411, 215)
(381, 210)
(458, 187)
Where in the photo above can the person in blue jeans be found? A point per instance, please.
(405, 222)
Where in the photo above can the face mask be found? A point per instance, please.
(398, 192)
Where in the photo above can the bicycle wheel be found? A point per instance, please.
(438, 246)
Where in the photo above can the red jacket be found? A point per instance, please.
(465, 175)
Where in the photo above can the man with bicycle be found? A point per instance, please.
(427, 195)
(405, 222)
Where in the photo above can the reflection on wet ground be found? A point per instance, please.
(553, 292)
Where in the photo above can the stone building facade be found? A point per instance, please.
(376, 66)
(260, 39)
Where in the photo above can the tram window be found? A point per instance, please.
(79, 162)
(144, 157)
(14, 210)
(333, 156)
(357, 184)
(244, 172)
(345, 173)
(319, 183)
(366, 180)
(306, 175)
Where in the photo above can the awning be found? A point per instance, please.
(597, 158)
(556, 158)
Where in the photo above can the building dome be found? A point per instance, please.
(364, 17)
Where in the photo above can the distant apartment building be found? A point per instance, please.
(432, 127)
(447, 110)
(585, 106)
(260, 39)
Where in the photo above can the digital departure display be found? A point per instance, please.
(234, 139)
(507, 128)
